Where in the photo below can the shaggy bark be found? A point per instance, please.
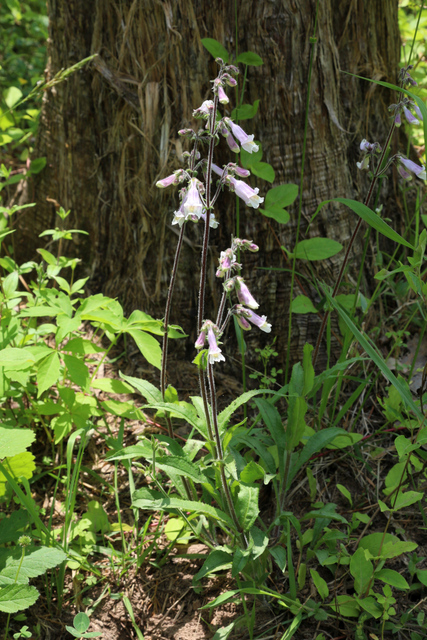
(109, 133)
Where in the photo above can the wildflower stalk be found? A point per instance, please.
(367, 200)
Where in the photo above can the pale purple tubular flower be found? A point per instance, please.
(244, 295)
(234, 147)
(405, 174)
(398, 119)
(204, 110)
(365, 145)
(229, 80)
(247, 142)
(200, 342)
(214, 354)
(242, 173)
(417, 111)
(244, 191)
(217, 169)
(227, 261)
(258, 321)
(193, 203)
(409, 116)
(243, 323)
(222, 96)
(175, 178)
(419, 171)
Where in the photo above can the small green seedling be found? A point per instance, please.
(81, 624)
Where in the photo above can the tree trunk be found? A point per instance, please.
(110, 132)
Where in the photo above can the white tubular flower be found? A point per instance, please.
(214, 353)
(175, 178)
(204, 110)
(193, 203)
(258, 321)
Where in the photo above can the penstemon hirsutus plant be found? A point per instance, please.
(198, 198)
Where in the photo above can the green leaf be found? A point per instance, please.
(48, 371)
(392, 577)
(404, 499)
(273, 422)
(15, 359)
(111, 385)
(36, 562)
(281, 196)
(21, 465)
(81, 622)
(370, 605)
(317, 249)
(217, 560)
(37, 165)
(346, 606)
(215, 48)
(80, 346)
(141, 450)
(176, 530)
(182, 467)
(11, 96)
(12, 526)
(148, 346)
(263, 170)
(362, 570)
(302, 304)
(346, 493)
(17, 597)
(249, 58)
(372, 218)
(226, 414)
(156, 501)
(314, 444)
(14, 441)
(246, 505)
(320, 584)
(276, 213)
(10, 284)
(77, 371)
(245, 111)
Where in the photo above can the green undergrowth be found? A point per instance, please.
(323, 517)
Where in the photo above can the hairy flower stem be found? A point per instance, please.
(166, 323)
(375, 178)
(220, 454)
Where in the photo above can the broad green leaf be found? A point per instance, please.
(226, 414)
(392, 577)
(13, 358)
(345, 440)
(111, 385)
(156, 501)
(302, 304)
(362, 571)
(252, 472)
(80, 346)
(98, 517)
(37, 560)
(280, 556)
(281, 196)
(11, 96)
(276, 213)
(81, 622)
(370, 605)
(48, 371)
(320, 584)
(245, 111)
(246, 505)
(391, 545)
(148, 346)
(17, 597)
(37, 165)
(249, 58)
(216, 561)
(77, 371)
(317, 249)
(181, 467)
(215, 48)
(224, 632)
(10, 284)
(273, 422)
(123, 409)
(263, 170)
(141, 450)
(21, 465)
(346, 606)
(12, 527)
(404, 499)
(145, 388)
(14, 441)
(176, 530)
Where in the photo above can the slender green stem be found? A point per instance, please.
(313, 41)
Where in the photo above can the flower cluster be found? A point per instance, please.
(369, 150)
(404, 107)
(404, 166)
(211, 331)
